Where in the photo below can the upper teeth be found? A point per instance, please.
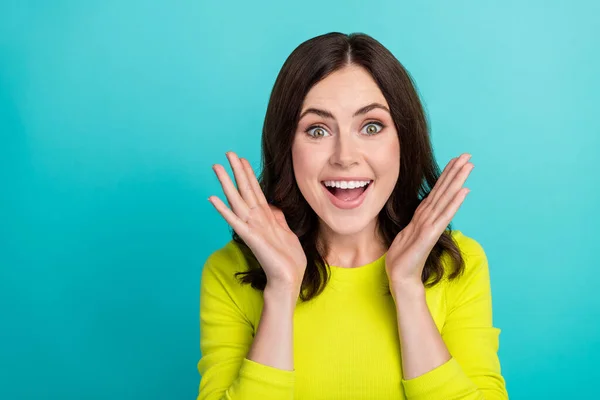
(346, 184)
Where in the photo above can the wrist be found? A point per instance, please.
(407, 290)
(281, 294)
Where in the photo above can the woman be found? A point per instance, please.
(343, 279)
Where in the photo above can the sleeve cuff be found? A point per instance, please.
(268, 375)
(422, 387)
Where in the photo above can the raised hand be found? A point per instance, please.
(408, 252)
(262, 226)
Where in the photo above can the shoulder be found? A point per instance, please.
(223, 263)
(476, 270)
(468, 246)
(226, 259)
(221, 293)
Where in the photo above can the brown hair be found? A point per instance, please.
(309, 63)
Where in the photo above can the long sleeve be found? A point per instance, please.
(226, 335)
(473, 372)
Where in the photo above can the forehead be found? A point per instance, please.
(345, 90)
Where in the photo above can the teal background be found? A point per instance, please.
(112, 113)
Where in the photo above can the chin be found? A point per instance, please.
(349, 225)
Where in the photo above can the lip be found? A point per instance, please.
(347, 205)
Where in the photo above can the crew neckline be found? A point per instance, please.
(361, 267)
(362, 278)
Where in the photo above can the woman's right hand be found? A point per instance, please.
(262, 226)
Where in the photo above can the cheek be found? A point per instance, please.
(301, 162)
(388, 159)
(391, 157)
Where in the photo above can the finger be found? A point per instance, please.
(232, 219)
(428, 202)
(238, 205)
(447, 215)
(449, 172)
(432, 197)
(453, 187)
(260, 196)
(243, 183)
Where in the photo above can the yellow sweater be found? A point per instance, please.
(346, 343)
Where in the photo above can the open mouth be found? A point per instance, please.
(347, 195)
(348, 198)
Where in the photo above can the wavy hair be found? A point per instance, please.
(308, 64)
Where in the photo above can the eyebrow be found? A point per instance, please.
(360, 111)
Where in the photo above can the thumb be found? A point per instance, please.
(279, 216)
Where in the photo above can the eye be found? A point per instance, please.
(373, 131)
(319, 131)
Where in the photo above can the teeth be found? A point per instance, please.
(346, 184)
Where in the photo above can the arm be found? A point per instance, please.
(462, 361)
(234, 365)
(274, 341)
(423, 348)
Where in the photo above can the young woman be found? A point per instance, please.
(343, 279)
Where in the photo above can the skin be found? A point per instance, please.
(343, 149)
(365, 145)
(422, 346)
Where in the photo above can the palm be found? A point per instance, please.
(409, 250)
(273, 243)
(262, 226)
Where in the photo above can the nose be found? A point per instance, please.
(345, 153)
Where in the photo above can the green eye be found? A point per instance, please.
(371, 130)
(319, 131)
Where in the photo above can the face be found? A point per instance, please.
(346, 138)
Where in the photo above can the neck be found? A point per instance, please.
(352, 250)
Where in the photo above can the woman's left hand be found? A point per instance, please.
(408, 252)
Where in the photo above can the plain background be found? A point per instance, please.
(112, 113)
